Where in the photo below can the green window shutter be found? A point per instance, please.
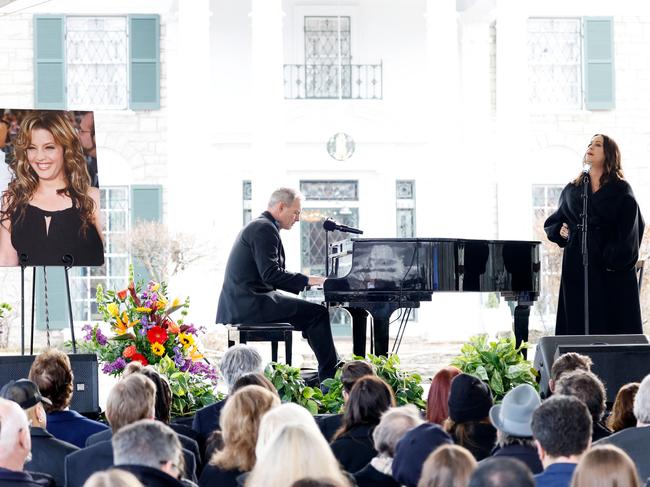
(144, 61)
(57, 299)
(599, 63)
(49, 61)
(146, 205)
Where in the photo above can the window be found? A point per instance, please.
(247, 197)
(405, 201)
(114, 273)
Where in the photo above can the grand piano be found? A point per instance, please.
(380, 275)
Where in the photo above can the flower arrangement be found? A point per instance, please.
(144, 331)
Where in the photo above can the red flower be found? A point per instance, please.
(122, 294)
(129, 351)
(157, 334)
(139, 358)
(136, 300)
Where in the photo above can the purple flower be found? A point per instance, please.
(154, 297)
(201, 368)
(87, 328)
(112, 367)
(186, 366)
(191, 329)
(144, 321)
(179, 360)
(101, 339)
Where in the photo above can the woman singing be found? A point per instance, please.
(50, 213)
(615, 228)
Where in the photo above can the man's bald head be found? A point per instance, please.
(15, 442)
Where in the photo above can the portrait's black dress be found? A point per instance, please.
(36, 244)
(615, 229)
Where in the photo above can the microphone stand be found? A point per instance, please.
(585, 256)
(327, 252)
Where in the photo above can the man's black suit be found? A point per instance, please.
(255, 275)
(48, 454)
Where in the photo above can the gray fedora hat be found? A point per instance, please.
(515, 412)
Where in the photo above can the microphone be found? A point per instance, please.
(330, 225)
(586, 168)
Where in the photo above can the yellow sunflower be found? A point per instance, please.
(157, 349)
(186, 339)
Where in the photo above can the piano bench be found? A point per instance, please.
(263, 332)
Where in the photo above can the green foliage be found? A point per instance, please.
(406, 386)
(291, 386)
(5, 309)
(500, 364)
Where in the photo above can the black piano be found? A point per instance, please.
(380, 275)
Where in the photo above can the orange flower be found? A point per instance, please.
(173, 327)
(121, 295)
(129, 351)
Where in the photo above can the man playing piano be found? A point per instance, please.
(255, 278)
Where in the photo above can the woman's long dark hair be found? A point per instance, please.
(613, 169)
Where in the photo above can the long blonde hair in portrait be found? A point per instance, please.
(295, 452)
(448, 466)
(25, 182)
(605, 466)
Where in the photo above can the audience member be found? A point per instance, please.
(413, 449)
(622, 415)
(278, 417)
(48, 453)
(294, 453)
(512, 420)
(502, 472)
(635, 441)
(351, 372)
(150, 450)
(113, 478)
(468, 424)
(15, 445)
(562, 430)
(239, 421)
(590, 390)
(392, 427)
(311, 482)
(52, 373)
(448, 466)
(568, 362)
(237, 361)
(438, 399)
(352, 445)
(605, 466)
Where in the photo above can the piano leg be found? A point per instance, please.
(522, 313)
(359, 328)
(380, 327)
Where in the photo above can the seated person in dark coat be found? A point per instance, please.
(15, 444)
(131, 399)
(150, 450)
(52, 373)
(350, 373)
(393, 425)
(255, 276)
(237, 361)
(353, 445)
(48, 453)
(561, 427)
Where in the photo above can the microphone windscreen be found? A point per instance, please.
(329, 225)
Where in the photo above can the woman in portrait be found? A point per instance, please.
(615, 228)
(50, 212)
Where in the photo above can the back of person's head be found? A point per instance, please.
(438, 398)
(131, 399)
(149, 443)
(240, 421)
(448, 466)
(393, 426)
(26, 394)
(568, 362)
(52, 373)
(113, 477)
(163, 389)
(15, 440)
(322, 482)
(562, 426)
(642, 402)
(605, 466)
(622, 415)
(587, 387)
(502, 472)
(512, 417)
(237, 361)
(352, 371)
(413, 449)
(253, 379)
(277, 418)
(470, 399)
(369, 398)
(295, 452)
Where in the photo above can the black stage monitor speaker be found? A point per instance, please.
(85, 395)
(617, 359)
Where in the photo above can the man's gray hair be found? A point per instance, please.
(147, 442)
(642, 401)
(284, 195)
(240, 360)
(393, 426)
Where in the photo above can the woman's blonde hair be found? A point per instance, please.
(448, 466)
(240, 422)
(605, 466)
(295, 452)
(23, 186)
(276, 418)
(113, 477)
